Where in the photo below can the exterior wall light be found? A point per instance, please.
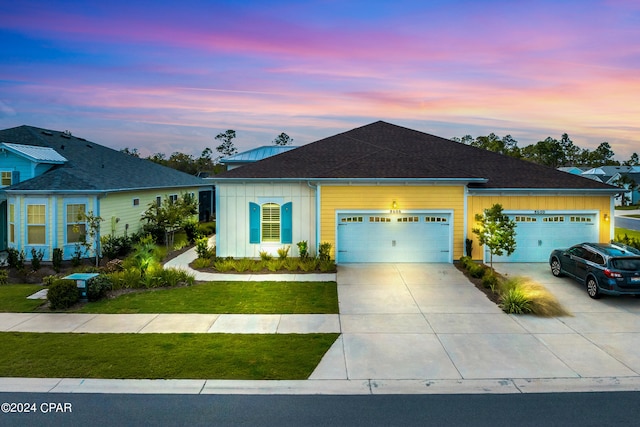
(606, 217)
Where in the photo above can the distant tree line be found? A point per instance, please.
(550, 151)
(206, 163)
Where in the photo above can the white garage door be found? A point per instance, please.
(415, 237)
(538, 235)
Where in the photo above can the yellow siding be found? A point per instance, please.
(359, 197)
(120, 206)
(601, 204)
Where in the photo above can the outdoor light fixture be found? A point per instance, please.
(606, 217)
(394, 208)
(394, 205)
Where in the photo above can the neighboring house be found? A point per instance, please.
(627, 176)
(254, 155)
(49, 177)
(571, 169)
(385, 193)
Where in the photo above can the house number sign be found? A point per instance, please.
(539, 212)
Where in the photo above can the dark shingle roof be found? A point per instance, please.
(383, 150)
(92, 167)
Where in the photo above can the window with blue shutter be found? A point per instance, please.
(254, 223)
(285, 223)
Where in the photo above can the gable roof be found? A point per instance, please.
(382, 151)
(90, 167)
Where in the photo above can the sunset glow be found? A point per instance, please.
(166, 76)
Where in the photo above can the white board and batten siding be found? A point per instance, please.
(232, 227)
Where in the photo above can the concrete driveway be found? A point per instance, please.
(427, 321)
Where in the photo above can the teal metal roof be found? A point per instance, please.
(35, 153)
(257, 154)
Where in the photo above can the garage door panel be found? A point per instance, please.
(538, 235)
(393, 238)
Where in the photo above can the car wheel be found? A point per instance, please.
(556, 268)
(592, 288)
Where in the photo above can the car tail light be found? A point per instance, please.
(612, 274)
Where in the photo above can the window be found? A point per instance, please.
(580, 219)
(136, 202)
(526, 219)
(379, 219)
(351, 219)
(435, 219)
(553, 219)
(173, 198)
(158, 201)
(6, 178)
(76, 227)
(36, 224)
(270, 222)
(12, 223)
(408, 219)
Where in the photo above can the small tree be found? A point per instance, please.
(496, 231)
(171, 215)
(226, 148)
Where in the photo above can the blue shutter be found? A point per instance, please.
(254, 223)
(285, 223)
(15, 177)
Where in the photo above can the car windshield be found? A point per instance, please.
(628, 264)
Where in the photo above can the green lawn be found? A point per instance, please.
(228, 297)
(631, 233)
(13, 298)
(196, 356)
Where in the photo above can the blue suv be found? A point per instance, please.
(611, 269)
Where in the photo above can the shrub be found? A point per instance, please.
(62, 294)
(283, 252)
(36, 258)
(192, 230)
(292, 264)
(202, 263)
(309, 264)
(76, 260)
(223, 265)
(242, 265)
(476, 270)
(515, 301)
(16, 259)
(465, 261)
(56, 259)
(468, 245)
(265, 256)
(4, 277)
(274, 265)
(257, 265)
(324, 251)
(327, 266)
(176, 277)
(116, 246)
(131, 278)
(97, 287)
(490, 280)
(48, 280)
(202, 247)
(629, 241)
(303, 249)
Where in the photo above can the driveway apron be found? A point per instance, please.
(427, 321)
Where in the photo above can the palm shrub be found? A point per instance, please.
(283, 252)
(265, 256)
(308, 264)
(327, 266)
(257, 265)
(223, 265)
(243, 264)
(36, 258)
(202, 263)
(4, 277)
(292, 264)
(62, 294)
(274, 265)
(176, 277)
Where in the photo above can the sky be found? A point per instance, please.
(164, 76)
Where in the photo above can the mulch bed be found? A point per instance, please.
(478, 284)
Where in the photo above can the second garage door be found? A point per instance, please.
(538, 235)
(415, 237)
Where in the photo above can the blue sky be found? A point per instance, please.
(163, 77)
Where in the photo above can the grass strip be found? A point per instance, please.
(162, 356)
(227, 297)
(13, 298)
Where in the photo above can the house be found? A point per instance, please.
(254, 155)
(627, 177)
(49, 177)
(385, 193)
